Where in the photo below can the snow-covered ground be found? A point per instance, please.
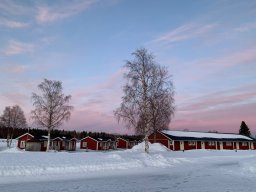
(129, 170)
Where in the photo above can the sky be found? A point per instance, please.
(209, 48)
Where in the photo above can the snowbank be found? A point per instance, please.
(3, 145)
(12, 150)
(155, 147)
(15, 164)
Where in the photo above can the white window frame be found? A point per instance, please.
(229, 144)
(211, 143)
(244, 144)
(171, 142)
(191, 143)
(84, 144)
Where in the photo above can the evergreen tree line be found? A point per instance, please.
(60, 133)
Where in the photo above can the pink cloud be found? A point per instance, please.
(246, 27)
(14, 68)
(184, 32)
(89, 120)
(222, 120)
(14, 7)
(15, 48)
(94, 106)
(13, 24)
(200, 69)
(231, 59)
(221, 111)
(219, 99)
(67, 9)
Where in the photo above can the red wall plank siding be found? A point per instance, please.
(23, 138)
(241, 147)
(91, 143)
(121, 143)
(199, 146)
(226, 146)
(189, 147)
(176, 145)
(159, 138)
(207, 146)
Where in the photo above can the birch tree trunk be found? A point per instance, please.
(146, 144)
(49, 140)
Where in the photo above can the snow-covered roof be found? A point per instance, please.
(24, 135)
(191, 134)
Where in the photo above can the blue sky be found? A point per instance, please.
(208, 46)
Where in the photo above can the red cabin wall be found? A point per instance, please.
(122, 144)
(218, 145)
(43, 148)
(225, 146)
(60, 143)
(254, 145)
(207, 146)
(91, 144)
(23, 138)
(159, 138)
(176, 145)
(243, 147)
(102, 147)
(199, 145)
(189, 147)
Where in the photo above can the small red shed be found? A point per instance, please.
(57, 144)
(38, 143)
(122, 143)
(94, 143)
(23, 139)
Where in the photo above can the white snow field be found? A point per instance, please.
(128, 170)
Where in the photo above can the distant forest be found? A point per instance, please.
(60, 133)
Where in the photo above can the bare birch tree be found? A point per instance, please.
(51, 106)
(13, 118)
(148, 101)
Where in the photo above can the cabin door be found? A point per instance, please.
(221, 145)
(251, 144)
(181, 145)
(203, 146)
(22, 144)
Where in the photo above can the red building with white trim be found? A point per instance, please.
(93, 143)
(189, 140)
(122, 143)
(22, 140)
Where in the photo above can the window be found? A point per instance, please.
(244, 143)
(84, 144)
(211, 143)
(171, 142)
(228, 143)
(191, 143)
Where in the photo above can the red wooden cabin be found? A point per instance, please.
(122, 143)
(188, 140)
(93, 143)
(63, 143)
(37, 144)
(23, 139)
(59, 143)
